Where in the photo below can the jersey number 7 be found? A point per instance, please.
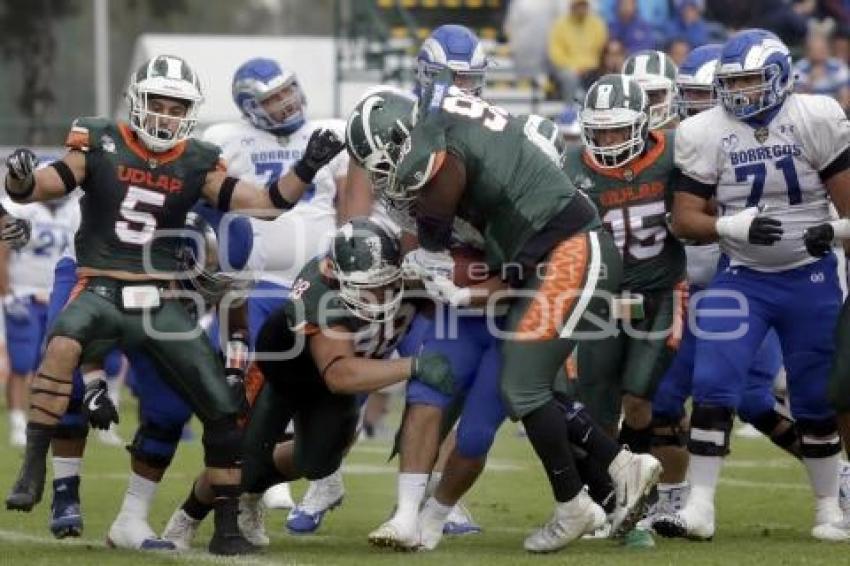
(758, 171)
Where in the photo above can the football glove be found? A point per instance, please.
(433, 369)
(747, 226)
(818, 239)
(21, 164)
(15, 232)
(97, 406)
(421, 263)
(323, 146)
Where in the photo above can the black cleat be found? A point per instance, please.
(28, 489)
(231, 545)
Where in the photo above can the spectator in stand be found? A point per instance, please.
(655, 12)
(789, 19)
(840, 44)
(526, 27)
(627, 26)
(610, 61)
(575, 42)
(820, 73)
(678, 49)
(690, 25)
(838, 10)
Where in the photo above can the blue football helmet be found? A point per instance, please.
(457, 48)
(749, 53)
(695, 83)
(258, 79)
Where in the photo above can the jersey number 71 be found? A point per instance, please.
(758, 171)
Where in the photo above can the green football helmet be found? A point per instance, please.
(546, 135)
(614, 121)
(376, 130)
(165, 76)
(656, 73)
(366, 261)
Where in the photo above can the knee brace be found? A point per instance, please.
(770, 422)
(155, 445)
(668, 431)
(710, 430)
(222, 443)
(818, 438)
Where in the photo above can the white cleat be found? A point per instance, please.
(110, 437)
(322, 495)
(460, 522)
(431, 525)
(251, 519)
(577, 517)
(634, 476)
(833, 532)
(695, 522)
(393, 534)
(181, 530)
(671, 499)
(134, 533)
(278, 496)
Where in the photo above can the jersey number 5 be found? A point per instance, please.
(758, 171)
(138, 226)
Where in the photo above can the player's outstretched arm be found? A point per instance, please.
(25, 183)
(355, 198)
(228, 193)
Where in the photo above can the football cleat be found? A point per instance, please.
(134, 533)
(392, 534)
(634, 476)
(460, 522)
(29, 487)
(322, 496)
(695, 522)
(66, 520)
(638, 538)
(671, 498)
(833, 532)
(432, 527)
(181, 530)
(251, 519)
(577, 517)
(278, 496)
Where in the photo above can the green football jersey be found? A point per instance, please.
(315, 304)
(132, 193)
(513, 185)
(633, 201)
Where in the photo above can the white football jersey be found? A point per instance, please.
(52, 238)
(282, 246)
(775, 166)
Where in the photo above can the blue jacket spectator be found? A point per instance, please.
(689, 24)
(631, 29)
(654, 12)
(820, 73)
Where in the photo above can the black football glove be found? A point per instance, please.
(818, 239)
(15, 232)
(323, 146)
(21, 163)
(765, 231)
(433, 369)
(98, 407)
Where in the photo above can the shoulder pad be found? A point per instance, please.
(86, 133)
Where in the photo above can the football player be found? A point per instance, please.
(550, 238)
(656, 72)
(141, 177)
(266, 144)
(626, 169)
(25, 279)
(773, 160)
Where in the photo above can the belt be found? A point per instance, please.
(110, 288)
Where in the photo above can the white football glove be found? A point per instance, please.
(435, 270)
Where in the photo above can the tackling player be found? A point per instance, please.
(140, 178)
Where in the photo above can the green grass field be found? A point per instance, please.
(765, 513)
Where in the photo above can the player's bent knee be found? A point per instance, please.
(818, 438)
(155, 445)
(222, 443)
(711, 427)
